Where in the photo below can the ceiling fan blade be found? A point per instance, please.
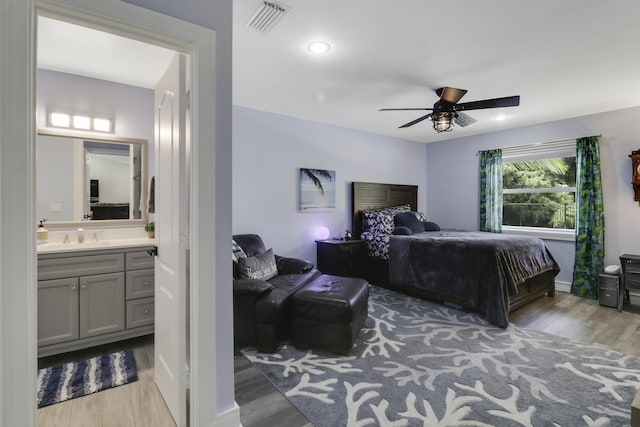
(418, 120)
(405, 109)
(508, 101)
(450, 94)
(463, 120)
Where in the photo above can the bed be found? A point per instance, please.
(490, 273)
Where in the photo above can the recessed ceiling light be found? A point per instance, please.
(319, 46)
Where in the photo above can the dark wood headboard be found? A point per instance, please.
(368, 195)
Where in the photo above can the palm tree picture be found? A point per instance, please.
(317, 189)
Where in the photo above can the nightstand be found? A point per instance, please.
(341, 257)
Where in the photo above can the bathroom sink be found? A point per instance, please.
(72, 246)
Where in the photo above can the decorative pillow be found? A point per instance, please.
(380, 221)
(237, 251)
(377, 226)
(430, 226)
(262, 266)
(410, 221)
(377, 244)
(402, 231)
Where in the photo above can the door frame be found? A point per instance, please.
(18, 258)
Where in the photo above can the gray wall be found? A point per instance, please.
(453, 178)
(269, 149)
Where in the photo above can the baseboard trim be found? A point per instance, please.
(563, 286)
(231, 418)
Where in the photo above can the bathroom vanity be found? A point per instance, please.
(94, 293)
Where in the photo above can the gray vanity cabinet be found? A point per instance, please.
(88, 298)
(101, 304)
(58, 319)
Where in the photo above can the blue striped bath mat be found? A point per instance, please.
(75, 379)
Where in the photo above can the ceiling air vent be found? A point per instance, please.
(267, 15)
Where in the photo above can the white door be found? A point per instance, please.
(171, 237)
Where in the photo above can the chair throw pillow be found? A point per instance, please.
(262, 266)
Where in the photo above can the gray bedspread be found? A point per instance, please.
(477, 268)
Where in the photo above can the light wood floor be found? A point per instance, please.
(138, 404)
(261, 405)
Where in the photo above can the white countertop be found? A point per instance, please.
(47, 248)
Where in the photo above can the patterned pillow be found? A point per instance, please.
(236, 251)
(377, 244)
(380, 221)
(377, 226)
(262, 266)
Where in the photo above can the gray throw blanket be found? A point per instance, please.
(477, 268)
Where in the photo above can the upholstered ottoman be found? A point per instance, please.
(329, 311)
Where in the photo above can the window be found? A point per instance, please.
(539, 189)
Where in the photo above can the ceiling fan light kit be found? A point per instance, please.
(447, 110)
(443, 122)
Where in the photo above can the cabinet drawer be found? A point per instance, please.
(140, 283)
(140, 312)
(632, 279)
(139, 260)
(87, 265)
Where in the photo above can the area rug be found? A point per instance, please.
(418, 363)
(75, 379)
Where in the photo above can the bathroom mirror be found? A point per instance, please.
(90, 180)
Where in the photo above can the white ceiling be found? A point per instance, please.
(564, 58)
(73, 49)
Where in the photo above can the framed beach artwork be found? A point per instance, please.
(317, 190)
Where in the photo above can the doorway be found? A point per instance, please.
(86, 72)
(18, 264)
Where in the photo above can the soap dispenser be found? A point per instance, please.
(42, 234)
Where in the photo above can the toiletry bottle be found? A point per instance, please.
(42, 234)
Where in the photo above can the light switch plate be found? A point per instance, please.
(55, 207)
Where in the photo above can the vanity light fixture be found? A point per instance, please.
(102, 125)
(319, 47)
(60, 120)
(80, 121)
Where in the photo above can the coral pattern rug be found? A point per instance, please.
(417, 363)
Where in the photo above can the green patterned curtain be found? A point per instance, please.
(589, 261)
(491, 191)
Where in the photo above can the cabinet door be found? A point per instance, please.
(102, 308)
(57, 311)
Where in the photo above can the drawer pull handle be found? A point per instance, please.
(145, 311)
(74, 287)
(84, 286)
(146, 283)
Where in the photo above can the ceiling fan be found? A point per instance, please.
(447, 110)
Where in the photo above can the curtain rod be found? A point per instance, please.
(536, 144)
